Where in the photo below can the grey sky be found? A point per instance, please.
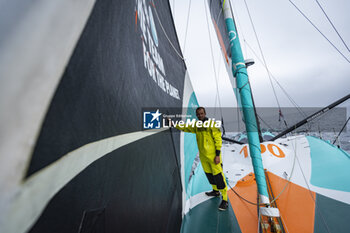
(305, 64)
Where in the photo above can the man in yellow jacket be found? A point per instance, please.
(209, 144)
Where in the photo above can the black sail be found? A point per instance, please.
(127, 58)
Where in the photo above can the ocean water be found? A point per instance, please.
(343, 140)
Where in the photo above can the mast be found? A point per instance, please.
(239, 71)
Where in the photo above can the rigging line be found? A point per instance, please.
(318, 119)
(252, 203)
(218, 75)
(291, 173)
(188, 20)
(284, 224)
(239, 26)
(264, 121)
(270, 192)
(307, 184)
(319, 31)
(275, 79)
(259, 222)
(223, 49)
(217, 17)
(262, 54)
(212, 55)
(284, 188)
(166, 35)
(329, 20)
(216, 97)
(341, 130)
(219, 60)
(175, 155)
(219, 65)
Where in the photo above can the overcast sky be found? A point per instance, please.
(305, 64)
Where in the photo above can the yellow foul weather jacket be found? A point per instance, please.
(208, 138)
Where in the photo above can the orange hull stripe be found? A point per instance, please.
(246, 213)
(296, 205)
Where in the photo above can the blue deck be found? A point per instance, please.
(206, 218)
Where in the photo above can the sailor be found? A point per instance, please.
(209, 144)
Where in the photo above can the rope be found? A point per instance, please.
(240, 88)
(252, 203)
(307, 184)
(188, 19)
(166, 35)
(341, 130)
(319, 31)
(212, 57)
(329, 20)
(264, 122)
(217, 97)
(175, 153)
(217, 17)
(265, 65)
(282, 191)
(291, 173)
(239, 25)
(259, 217)
(284, 224)
(275, 79)
(262, 54)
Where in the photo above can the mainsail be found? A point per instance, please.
(75, 76)
(74, 157)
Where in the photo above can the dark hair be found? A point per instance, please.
(200, 108)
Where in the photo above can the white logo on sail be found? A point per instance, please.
(153, 62)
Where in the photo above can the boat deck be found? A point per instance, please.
(206, 218)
